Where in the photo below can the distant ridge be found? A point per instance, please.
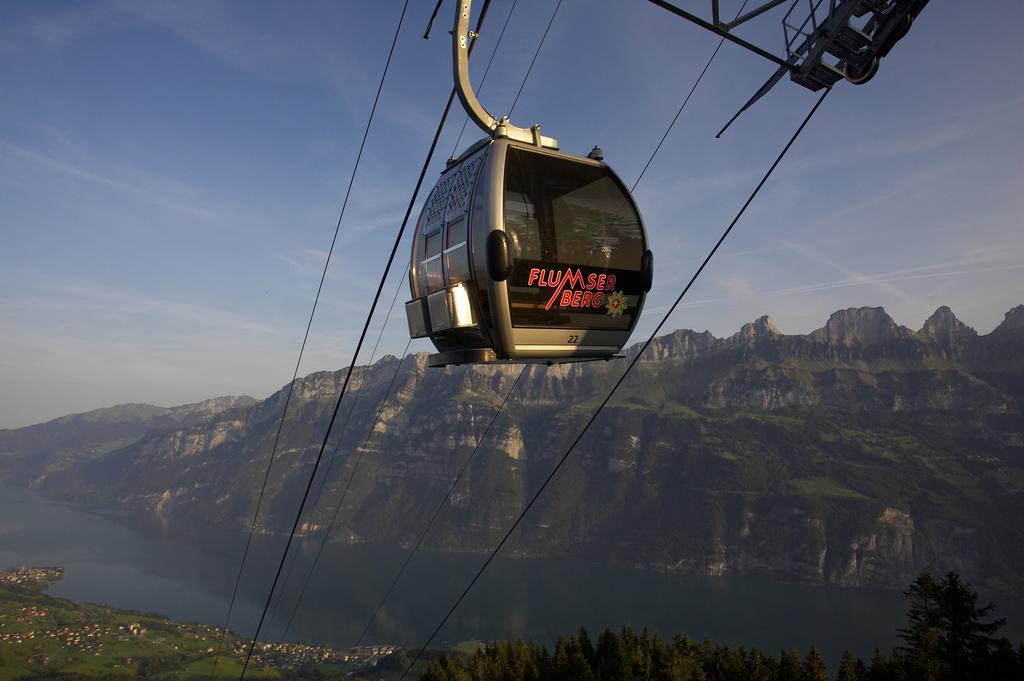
(98, 431)
(855, 455)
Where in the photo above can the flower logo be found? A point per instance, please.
(616, 303)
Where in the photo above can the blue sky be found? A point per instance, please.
(170, 175)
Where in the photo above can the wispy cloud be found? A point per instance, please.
(911, 274)
(87, 297)
(915, 138)
(294, 51)
(160, 191)
(61, 27)
(881, 280)
(55, 25)
(308, 264)
(814, 255)
(737, 287)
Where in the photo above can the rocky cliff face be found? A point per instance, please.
(858, 454)
(1014, 320)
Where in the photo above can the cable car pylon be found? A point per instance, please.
(524, 252)
(831, 42)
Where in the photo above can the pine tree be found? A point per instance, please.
(814, 667)
(789, 666)
(967, 641)
(850, 668)
(611, 662)
(569, 663)
(638, 651)
(760, 667)
(524, 661)
(446, 669)
(683, 661)
(947, 637)
(879, 668)
(674, 662)
(923, 634)
(586, 647)
(721, 663)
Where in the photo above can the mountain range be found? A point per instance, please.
(857, 455)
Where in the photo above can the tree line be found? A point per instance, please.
(947, 637)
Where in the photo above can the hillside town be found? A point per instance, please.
(294, 655)
(31, 578)
(40, 633)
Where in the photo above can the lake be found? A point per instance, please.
(187, 573)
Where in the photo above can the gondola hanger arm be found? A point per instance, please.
(493, 126)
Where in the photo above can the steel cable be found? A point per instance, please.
(344, 495)
(440, 506)
(305, 338)
(334, 454)
(682, 106)
(640, 177)
(604, 402)
(387, 318)
(494, 417)
(355, 354)
(459, 476)
(534, 60)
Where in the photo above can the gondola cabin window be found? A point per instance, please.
(577, 244)
(431, 264)
(456, 254)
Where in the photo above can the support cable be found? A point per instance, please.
(604, 402)
(275, 606)
(640, 177)
(334, 454)
(430, 23)
(373, 354)
(344, 495)
(355, 355)
(305, 338)
(636, 183)
(341, 502)
(439, 508)
(473, 453)
(386, 319)
(682, 106)
(534, 60)
(672, 123)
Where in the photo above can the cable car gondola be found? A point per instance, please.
(524, 252)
